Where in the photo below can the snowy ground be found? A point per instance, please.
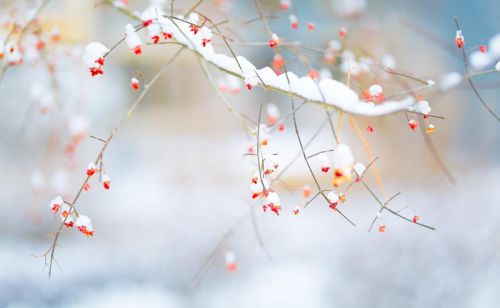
(151, 240)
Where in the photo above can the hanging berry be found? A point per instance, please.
(94, 57)
(333, 198)
(91, 169)
(84, 225)
(134, 84)
(430, 129)
(56, 204)
(294, 22)
(230, 259)
(325, 163)
(274, 41)
(285, 4)
(106, 181)
(459, 39)
(134, 42)
(342, 32)
(306, 191)
(412, 124)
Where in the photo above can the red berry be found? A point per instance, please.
(231, 266)
(342, 32)
(413, 124)
(134, 84)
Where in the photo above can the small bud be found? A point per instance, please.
(310, 26)
(483, 48)
(415, 218)
(296, 211)
(381, 228)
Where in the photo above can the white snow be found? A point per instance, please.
(494, 45)
(133, 39)
(336, 94)
(333, 197)
(94, 51)
(449, 81)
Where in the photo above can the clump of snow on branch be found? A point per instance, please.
(326, 91)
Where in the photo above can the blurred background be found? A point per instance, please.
(180, 180)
